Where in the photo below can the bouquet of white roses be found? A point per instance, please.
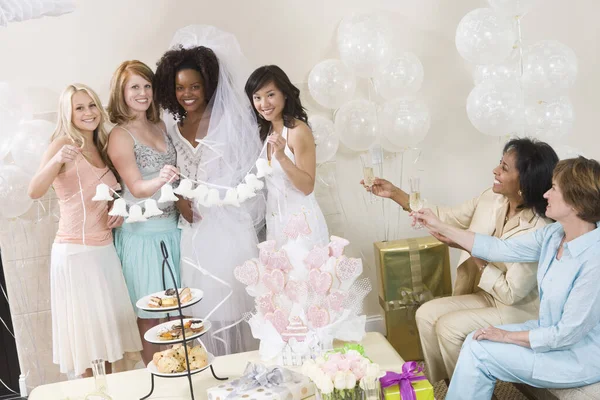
(344, 375)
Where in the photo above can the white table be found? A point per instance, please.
(132, 385)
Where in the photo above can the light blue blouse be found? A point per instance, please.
(566, 337)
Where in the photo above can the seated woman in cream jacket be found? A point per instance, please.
(486, 293)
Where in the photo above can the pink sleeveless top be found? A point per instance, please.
(83, 221)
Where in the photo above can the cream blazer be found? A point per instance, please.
(513, 286)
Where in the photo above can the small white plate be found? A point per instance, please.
(142, 303)
(151, 334)
(153, 369)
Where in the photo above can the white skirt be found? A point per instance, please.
(92, 316)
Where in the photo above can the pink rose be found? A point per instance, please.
(330, 367)
(344, 365)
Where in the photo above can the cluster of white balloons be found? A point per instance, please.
(23, 142)
(518, 90)
(366, 51)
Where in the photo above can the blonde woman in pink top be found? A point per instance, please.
(92, 317)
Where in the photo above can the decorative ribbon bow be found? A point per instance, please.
(257, 375)
(409, 374)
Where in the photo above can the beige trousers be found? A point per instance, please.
(444, 324)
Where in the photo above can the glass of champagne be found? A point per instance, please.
(415, 201)
(101, 386)
(371, 161)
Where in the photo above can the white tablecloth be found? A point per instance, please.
(133, 385)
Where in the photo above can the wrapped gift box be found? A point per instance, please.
(423, 391)
(409, 273)
(296, 387)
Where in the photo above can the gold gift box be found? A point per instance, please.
(409, 273)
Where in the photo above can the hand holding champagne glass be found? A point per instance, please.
(415, 201)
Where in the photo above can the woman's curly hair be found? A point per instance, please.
(201, 59)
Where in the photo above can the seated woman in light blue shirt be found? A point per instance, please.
(562, 348)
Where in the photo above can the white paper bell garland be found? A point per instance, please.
(119, 209)
(200, 193)
(244, 192)
(205, 196)
(213, 198)
(263, 168)
(253, 182)
(102, 193)
(166, 194)
(135, 214)
(231, 198)
(185, 189)
(151, 209)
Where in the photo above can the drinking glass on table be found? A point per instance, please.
(101, 386)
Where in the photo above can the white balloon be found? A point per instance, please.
(514, 8)
(404, 121)
(496, 109)
(11, 114)
(331, 83)
(549, 118)
(364, 43)
(549, 64)
(325, 151)
(402, 75)
(14, 183)
(485, 36)
(321, 128)
(508, 70)
(356, 124)
(31, 143)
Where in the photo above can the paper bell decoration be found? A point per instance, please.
(185, 189)
(135, 214)
(166, 194)
(213, 198)
(253, 182)
(200, 193)
(244, 192)
(263, 168)
(231, 198)
(119, 209)
(151, 208)
(102, 193)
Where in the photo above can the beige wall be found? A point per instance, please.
(456, 160)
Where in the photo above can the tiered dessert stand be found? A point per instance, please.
(151, 335)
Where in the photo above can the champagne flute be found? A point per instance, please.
(415, 201)
(371, 160)
(99, 381)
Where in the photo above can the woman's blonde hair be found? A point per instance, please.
(118, 110)
(65, 126)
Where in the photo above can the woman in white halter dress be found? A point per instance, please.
(291, 154)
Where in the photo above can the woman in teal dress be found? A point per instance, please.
(144, 157)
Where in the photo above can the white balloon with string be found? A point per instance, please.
(549, 64)
(12, 113)
(30, 144)
(321, 127)
(404, 121)
(485, 36)
(549, 117)
(364, 42)
(496, 109)
(356, 124)
(14, 184)
(331, 83)
(507, 70)
(400, 76)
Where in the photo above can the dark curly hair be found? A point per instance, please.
(293, 106)
(201, 59)
(535, 162)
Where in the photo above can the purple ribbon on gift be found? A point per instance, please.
(409, 374)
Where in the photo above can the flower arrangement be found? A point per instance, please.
(344, 374)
